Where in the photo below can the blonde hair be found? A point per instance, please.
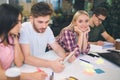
(75, 17)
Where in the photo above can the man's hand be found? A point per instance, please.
(56, 65)
(100, 43)
(34, 76)
(71, 59)
(70, 56)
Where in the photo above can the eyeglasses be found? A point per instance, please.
(101, 20)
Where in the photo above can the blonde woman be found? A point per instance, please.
(75, 35)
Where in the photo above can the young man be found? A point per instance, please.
(35, 35)
(97, 29)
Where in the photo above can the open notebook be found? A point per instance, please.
(113, 57)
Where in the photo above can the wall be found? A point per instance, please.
(3, 1)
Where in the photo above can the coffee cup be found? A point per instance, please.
(13, 74)
(117, 44)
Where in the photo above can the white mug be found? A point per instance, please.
(13, 74)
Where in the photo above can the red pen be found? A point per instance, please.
(39, 70)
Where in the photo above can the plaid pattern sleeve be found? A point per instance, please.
(67, 39)
(87, 50)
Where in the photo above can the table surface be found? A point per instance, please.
(80, 69)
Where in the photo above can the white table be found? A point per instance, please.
(76, 69)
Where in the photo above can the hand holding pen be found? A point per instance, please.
(70, 57)
(56, 66)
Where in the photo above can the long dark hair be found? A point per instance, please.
(8, 19)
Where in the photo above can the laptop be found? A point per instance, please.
(112, 56)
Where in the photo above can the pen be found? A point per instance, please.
(70, 55)
(52, 76)
(85, 61)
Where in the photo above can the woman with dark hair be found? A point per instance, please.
(10, 51)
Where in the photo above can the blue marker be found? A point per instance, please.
(85, 61)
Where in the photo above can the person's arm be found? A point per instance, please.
(86, 46)
(58, 49)
(33, 76)
(34, 61)
(108, 37)
(18, 57)
(69, 40)
(95, 43)
(2, 73)
(100, 43)
(25, 76)
(80, 37)
(83, 39)
(61, 52)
